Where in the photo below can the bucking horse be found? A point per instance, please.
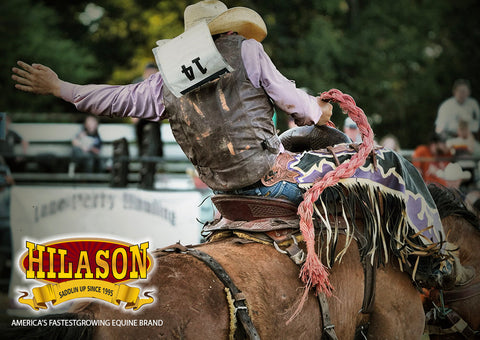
(259, 274)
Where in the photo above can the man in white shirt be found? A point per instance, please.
(459, 107)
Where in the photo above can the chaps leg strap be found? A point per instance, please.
(239, 303)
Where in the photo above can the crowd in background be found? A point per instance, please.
(450, 156)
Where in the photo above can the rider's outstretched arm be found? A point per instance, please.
(143, 100)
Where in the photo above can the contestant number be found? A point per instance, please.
(188, 70)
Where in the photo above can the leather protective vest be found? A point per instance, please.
(225, 126)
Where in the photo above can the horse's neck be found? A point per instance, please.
(467, 238)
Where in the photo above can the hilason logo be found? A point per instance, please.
(85, 268)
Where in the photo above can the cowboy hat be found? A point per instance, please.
(453, 172)
(220, 19)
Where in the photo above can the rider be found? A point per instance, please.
(234, 143)
(224, 125)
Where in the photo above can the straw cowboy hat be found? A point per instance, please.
(453, 172)
(220, 19)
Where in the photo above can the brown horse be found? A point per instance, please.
(192, 303)
(463, 229)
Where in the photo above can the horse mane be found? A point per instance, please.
(450, 203)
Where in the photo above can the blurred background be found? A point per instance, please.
(398, 59)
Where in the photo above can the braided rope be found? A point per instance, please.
(314, 274)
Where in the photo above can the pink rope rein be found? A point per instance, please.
(314, 274)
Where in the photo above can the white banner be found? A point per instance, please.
(41, 214)
(190, 60)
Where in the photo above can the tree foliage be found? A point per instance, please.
(398, 59)
(31, 32)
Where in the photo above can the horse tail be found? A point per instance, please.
(53, 327)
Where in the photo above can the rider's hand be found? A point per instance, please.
(326, 112)
(36, 78)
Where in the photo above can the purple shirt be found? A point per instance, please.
(145, 99)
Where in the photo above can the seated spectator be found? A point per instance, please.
(454, 175)
(7, 148)
(430, 158)
(465, 143)
(351, 130)
(389, 141)
(458, 107)
(464, 147)
(86, 147)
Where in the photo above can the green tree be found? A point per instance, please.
(29, 32)
(397, 59)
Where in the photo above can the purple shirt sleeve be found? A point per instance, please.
(142, 100)
(145, 99)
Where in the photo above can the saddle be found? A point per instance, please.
(266, 214)
(263, 219)
(251, 212)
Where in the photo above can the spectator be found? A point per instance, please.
(351, 130)
(464, 148)
(453, 175)
(149, 69)
(459, 107)
(86, 146)
(430, 158)
(7, 148)
(149, 138)
(389, 141)
(465, 143)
